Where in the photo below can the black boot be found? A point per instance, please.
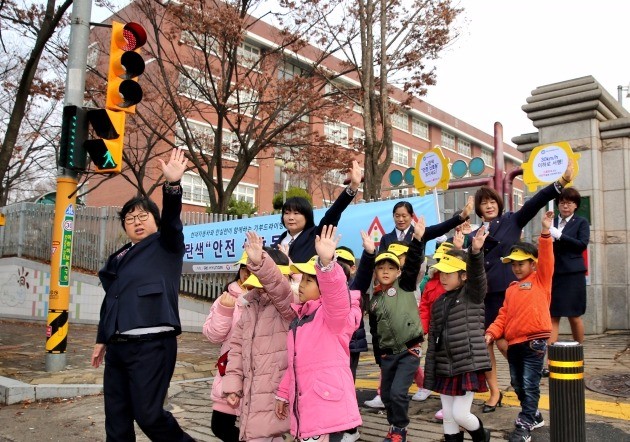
(480, 434)
(459, 437)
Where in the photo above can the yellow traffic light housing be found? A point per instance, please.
(106, 152)
(125, 65)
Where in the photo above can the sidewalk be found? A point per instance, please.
(22, 364)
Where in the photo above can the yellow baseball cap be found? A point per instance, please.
(442, 249)
(345, 255)
(253, 281)
(518, 255)
(450, 264)
(387, 256)
(398, 249)
(243, 259)
(305, 267)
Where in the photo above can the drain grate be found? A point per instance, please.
(613, 384)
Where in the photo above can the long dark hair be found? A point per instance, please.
(300, 205)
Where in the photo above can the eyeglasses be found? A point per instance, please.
(566, 203)
(142, 216)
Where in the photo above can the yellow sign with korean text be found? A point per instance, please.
(431, 172)
(547, 163)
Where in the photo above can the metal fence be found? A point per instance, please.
(97, 234)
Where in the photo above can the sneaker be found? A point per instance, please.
(375, 403)
(398, 434)
(439, 415)
(538, 420)
(350, 437)
(388, 438)
(520, 434)
(421, 395)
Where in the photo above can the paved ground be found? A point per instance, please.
(22, 357)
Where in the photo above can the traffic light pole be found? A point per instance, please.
(65, 202)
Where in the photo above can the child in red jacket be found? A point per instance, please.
(525, 322)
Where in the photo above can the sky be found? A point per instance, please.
(508, 48)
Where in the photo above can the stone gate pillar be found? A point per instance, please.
(582, 113)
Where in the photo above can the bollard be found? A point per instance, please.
(566, 392)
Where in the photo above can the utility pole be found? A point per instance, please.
(65, 203)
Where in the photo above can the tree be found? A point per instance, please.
(241, 207)
(230, 103)
(27, 35)
(391, 41)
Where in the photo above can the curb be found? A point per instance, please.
(13, 392)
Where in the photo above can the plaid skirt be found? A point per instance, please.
(458, 385)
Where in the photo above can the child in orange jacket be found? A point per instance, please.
(525, 322)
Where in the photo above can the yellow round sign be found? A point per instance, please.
(547, 163)
(431, 171)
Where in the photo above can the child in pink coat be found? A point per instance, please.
(224, 314)
(317, 390)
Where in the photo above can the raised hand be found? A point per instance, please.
(355, 175)
(479, 239)
(418, 228)
(326, 244)
(176, 166)
(368, 242)
(468, 208)
(547, 221)
(254, 247)
(458, 239)
(568, 174)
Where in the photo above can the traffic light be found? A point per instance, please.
(125, 65)
(74, 127)
(106, 151)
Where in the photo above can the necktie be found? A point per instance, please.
(563, 222)
(290, 242)
(401, 235)
(122, 253)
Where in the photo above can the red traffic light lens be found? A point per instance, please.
(135, 36)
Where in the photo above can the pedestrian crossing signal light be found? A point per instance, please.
(74, 128)
(125, 65)
(106, 151)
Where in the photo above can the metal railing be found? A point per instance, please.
(97, 234)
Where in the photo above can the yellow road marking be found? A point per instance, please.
(615, 410)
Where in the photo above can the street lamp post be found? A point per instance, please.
(620, 90)
(284, 182)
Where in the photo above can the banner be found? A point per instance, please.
(215, 247)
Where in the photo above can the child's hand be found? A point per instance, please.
(227, 300)
(326, 244)
(233, 400)
(468, 208)
(368, 243)
(489, 339)
(418, 229)
(458, 239)
(282, 409)
(479, 239)
(547, 222)
(254, 247)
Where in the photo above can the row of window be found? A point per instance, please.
(196, 192)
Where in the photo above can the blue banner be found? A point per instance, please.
(216, 247)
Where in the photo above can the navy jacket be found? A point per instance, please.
(568, 249)
(142, 289)
(505, 230)
(362, 281)
(303, 248)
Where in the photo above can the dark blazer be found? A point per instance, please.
(569, 248)
(303, 248)
(505, 230)
(142, 289)
(431, 232)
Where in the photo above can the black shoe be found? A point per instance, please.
(459, 437)
(480, 434)
(520, 434)
(545, 372)
(491, 408)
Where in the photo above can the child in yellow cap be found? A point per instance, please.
(524, 321)
(457, 356)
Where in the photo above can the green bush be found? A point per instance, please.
(291, 192)
(240, 208)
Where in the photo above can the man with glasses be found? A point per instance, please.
(139, 318)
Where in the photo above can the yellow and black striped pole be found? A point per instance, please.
(566, 392)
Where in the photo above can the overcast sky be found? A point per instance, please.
(508, 48)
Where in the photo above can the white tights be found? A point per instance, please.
(457, 413)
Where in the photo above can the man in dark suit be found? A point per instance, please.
(571, 234)
(139, 318)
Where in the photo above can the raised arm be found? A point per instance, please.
(363, 278)
(477, 285)
(444, 227)
(334, 212)
(415, 256)
(171, 227)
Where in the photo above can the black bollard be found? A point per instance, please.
(566, 392)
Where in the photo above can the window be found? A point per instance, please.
(243, 101)
(203, 137)
(487, 157)
(419, 128)
(464, 148)
(400, 120)
(289, 71)
(400, 193)
(414, 158)
(336, 133)
(194, 190)
(335, 176)
(401, 155)
(191, 84)
(517, 199)
(244, 192)
(248, 55)
(448, 140)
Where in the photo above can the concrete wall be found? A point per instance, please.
(24, 287)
